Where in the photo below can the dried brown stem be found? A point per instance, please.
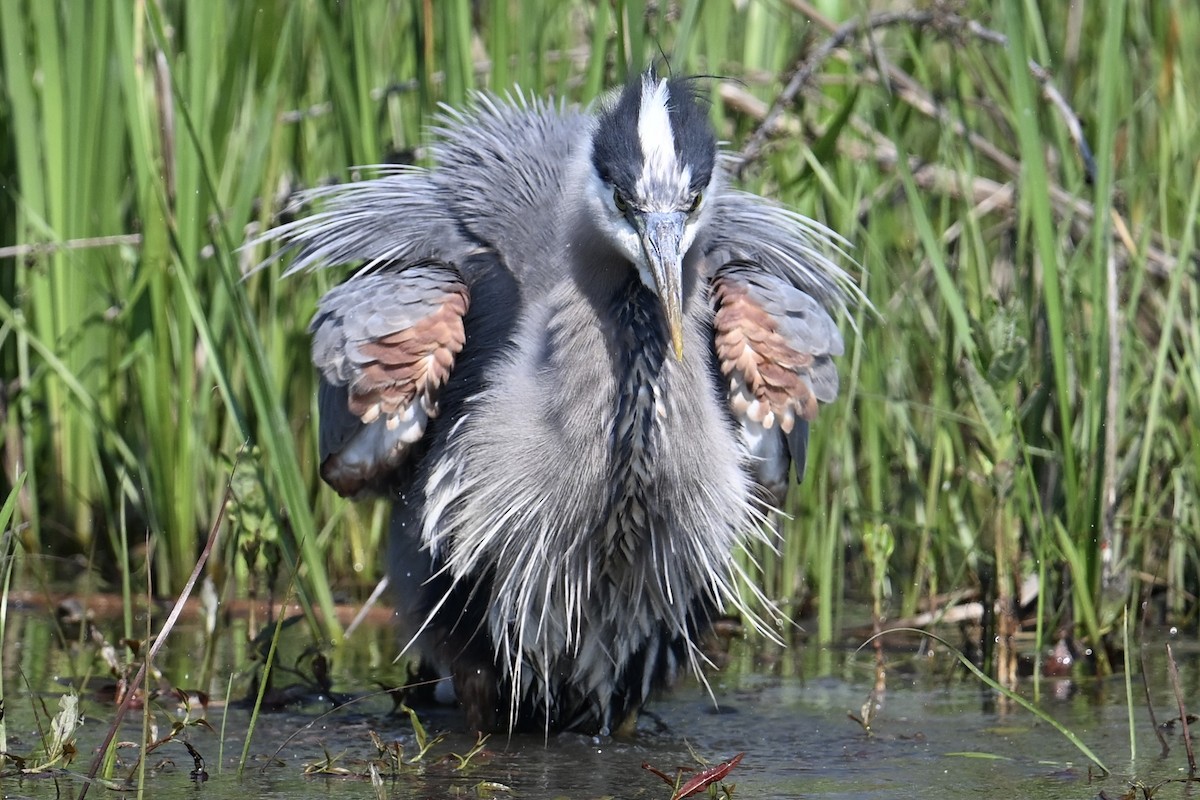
(44, 248)
(1162, 740)
(807, 68)
(987, 194)
(943, 22)
(1173, 672)
(906, 88)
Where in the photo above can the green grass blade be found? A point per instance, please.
(988, 681)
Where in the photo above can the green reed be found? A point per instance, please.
(1020, 400)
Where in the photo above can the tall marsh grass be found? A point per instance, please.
(1021, 401)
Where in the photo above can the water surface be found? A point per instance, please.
(935, 734)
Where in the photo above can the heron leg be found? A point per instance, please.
(475, 684)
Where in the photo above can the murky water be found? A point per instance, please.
(935, 734)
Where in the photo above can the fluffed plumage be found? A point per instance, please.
(580, 365)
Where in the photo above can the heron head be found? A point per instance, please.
(653, 158)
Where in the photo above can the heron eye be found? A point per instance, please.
(620, 202)
(696, 201)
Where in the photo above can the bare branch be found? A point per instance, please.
(43, 248)
(942, 22)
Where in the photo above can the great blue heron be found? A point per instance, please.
(579, 363)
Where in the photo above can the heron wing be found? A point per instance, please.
(775, 345)
(782, 243)
(396, 217)
(384, 343)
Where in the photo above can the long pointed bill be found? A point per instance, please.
(662, 241)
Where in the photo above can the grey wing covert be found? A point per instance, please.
(775, 346)
(384, 343)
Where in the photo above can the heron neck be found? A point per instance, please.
(641, 353)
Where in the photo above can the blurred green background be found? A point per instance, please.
(1020, 405)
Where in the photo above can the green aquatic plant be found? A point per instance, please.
(1006, 692)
